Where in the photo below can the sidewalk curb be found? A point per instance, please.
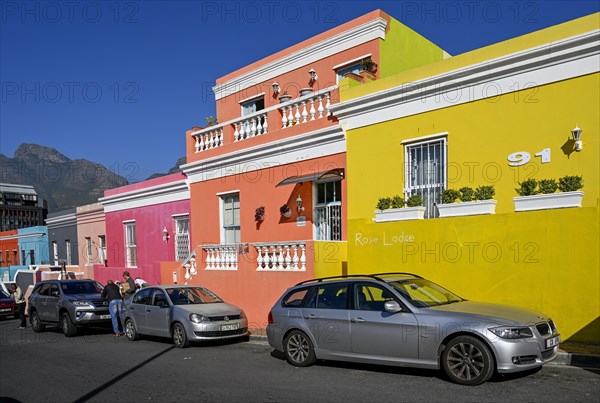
(562, 357)
(577, 360)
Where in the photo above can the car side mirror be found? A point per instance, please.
(392, 306)
(162, 304)
(54, 294)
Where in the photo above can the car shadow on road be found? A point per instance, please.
(207, 343)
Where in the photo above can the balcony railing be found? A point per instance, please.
(221, 257)
(307, 108)
(281, 256)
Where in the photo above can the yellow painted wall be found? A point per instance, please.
(404, 49)
(331, 258)
(546, 260)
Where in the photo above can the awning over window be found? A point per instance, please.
(337, 173)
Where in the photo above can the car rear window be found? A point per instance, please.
(295, 298)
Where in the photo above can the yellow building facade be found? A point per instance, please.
(495, 116)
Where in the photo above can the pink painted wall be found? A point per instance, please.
(145, 184)
(90, 224)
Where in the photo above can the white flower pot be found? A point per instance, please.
(467, 208)
(287, 214)
(400, 214)
(548, 201)
(305, 91)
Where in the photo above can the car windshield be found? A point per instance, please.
(3, 295)
(423, 293)
(192, 295)
(81, 287)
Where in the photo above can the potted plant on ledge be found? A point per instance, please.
(284, 97)
(541, 195)
(392, 209)
(472, 202)
(259, 214)
(285, 211)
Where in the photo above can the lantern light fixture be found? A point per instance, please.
(576, 133)
(313, 75)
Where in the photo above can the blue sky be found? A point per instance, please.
(119, 82)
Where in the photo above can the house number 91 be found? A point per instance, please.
(523, 157)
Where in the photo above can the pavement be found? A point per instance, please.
(575, 354)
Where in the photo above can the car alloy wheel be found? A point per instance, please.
(179, 337)
(130, 330)
(68, 327)
(468, 361)
(299, 350)
(36, 324)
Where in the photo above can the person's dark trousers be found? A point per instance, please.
(21, 310)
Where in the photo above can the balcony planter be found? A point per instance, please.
(467, 208)
(285, 211)
(305, 91)
(400, 214)
(548, 201)
(284, 98)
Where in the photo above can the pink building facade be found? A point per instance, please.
(147, 225)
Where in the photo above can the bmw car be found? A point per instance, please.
(403, 319)
(184, 313)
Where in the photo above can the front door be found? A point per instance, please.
(377, 332)
(158, 314)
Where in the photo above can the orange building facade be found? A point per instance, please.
(267, 182)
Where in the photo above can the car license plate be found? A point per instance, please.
(104, 316)
(5, 310)
(552, 342)
(233, 326)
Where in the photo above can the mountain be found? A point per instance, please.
(173, 170)
(65, 183)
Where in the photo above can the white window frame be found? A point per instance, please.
(101, 248)
(181, 237)
(130, 260)
(55, 252)
(328, 206)
(249, 101)
(88, 251)
(426, 189)
(68, 251)
(222, 197)
(349, 63)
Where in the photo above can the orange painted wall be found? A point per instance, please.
(10, 245)
(256, 189)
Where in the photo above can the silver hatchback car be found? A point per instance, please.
(405, 320)
(185, 313)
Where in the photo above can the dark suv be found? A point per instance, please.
(68, 303)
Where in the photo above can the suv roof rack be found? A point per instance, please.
(372, 276)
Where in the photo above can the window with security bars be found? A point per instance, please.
(130, 245)
(69, 252)
(328, 211)
(230, 218)
(425, 173)
(182, 238)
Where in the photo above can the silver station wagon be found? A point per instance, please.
(405, 320)
(185, 313)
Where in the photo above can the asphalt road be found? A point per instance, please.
(99, 367)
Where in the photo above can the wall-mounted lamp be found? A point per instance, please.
(165, 234)
(313, 75)
(299, 204)
(276, 88)
(576, 132)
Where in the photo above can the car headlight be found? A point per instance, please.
(242, 315)
(510, 332)
(197, 318)
(82, 303)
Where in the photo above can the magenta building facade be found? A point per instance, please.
(147, 225)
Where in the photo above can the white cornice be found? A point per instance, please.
(351, 38)
(159, 194)
(319, 143)
(21, 236)
(551, 62)
(61, 221)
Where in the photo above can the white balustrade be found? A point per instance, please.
(207, 139)
(221, 257)
(250, 126)
(305, 109)
(281, 256)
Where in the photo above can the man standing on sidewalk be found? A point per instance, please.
(17, 294)
(112, 294)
